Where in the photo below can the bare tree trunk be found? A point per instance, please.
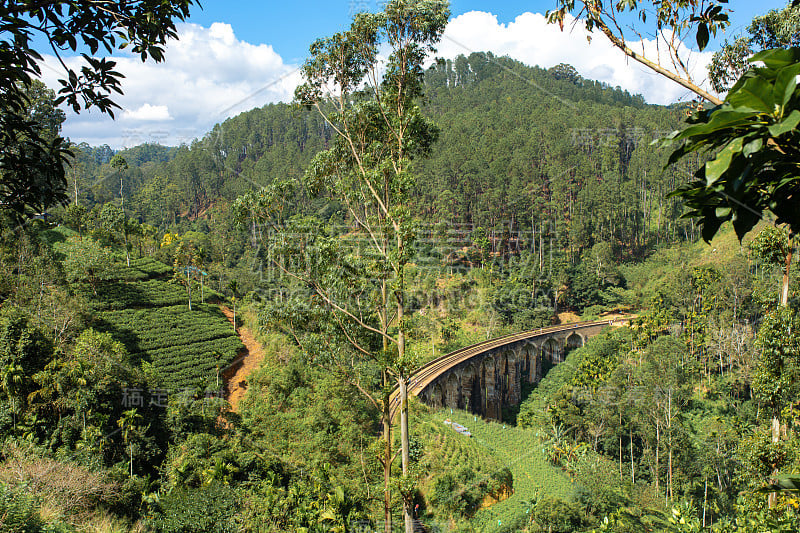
(387, 420)
(387, 458)
(541, 248)
(786, 267)
(658, 445)
(404, 443)
(705, 499)
(387, 472)
(772, 499)
(669, 427)
(620, 445)
(403, 382)
(630, 442)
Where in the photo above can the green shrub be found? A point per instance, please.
(18, 511)
(555, 515)
(593, 311)
(457, 493)
(204, 510)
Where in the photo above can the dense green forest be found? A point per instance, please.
(537, 198)
(521, 149)
(566, 166)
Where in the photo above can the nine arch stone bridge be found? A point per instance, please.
(485, 377)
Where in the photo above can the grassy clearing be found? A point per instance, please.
(495, 446)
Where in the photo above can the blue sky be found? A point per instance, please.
(233, 56)
(291, 26)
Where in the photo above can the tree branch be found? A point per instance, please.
(620, 43)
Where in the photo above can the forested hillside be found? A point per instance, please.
(540, 200)
(521, 148)
(529, 163)
(528, 148)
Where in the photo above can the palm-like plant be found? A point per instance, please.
(128, 423)
(12, 381)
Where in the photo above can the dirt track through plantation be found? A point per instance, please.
(251, 357)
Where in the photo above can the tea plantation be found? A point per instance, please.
(148, 312)
(522, 453)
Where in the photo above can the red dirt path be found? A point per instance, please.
(251, 357)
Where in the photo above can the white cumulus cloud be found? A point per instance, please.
(208, 75)
(148, 112)
(531, 40)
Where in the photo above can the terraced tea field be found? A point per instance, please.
(149, 313)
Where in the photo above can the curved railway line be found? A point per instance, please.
(427, 373)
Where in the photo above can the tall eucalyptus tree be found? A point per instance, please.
(372, 102)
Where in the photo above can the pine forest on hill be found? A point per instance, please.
(516, 198)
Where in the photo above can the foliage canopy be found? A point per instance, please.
(755, 137)
(32, 164)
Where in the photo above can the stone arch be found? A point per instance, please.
(525, 360)
(531, 354)
(436, 396)
(467, 376)
(536, 364)
(470, 388)
(575, 340)
(502, 363)
(502, 376)
(551, 350)
(511, 378)
(519, 357)
(488, 373)
(491, 401)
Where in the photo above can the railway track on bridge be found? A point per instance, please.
(427, 373)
